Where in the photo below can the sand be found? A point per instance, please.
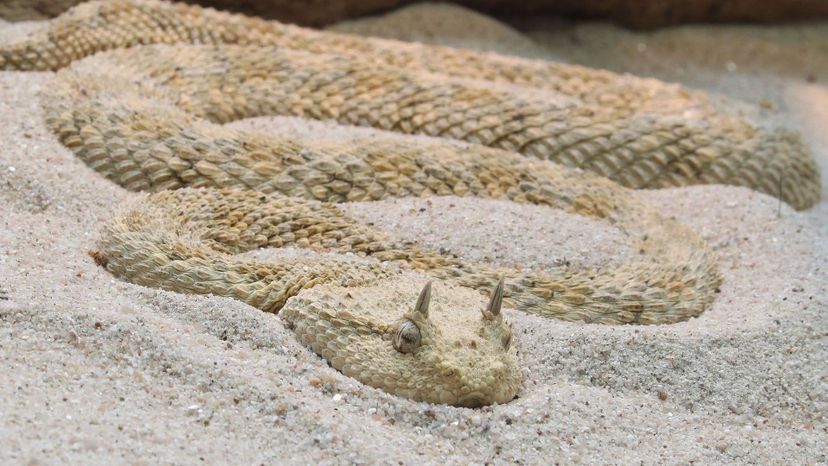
(94, 370)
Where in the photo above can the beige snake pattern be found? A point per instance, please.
(147, 118)
(638, 132)
(136, 132)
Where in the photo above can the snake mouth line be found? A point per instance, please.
(473, 400)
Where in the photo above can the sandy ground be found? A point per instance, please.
(95, 370)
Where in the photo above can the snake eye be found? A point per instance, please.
(407, 338)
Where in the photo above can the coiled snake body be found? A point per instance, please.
(149, 119)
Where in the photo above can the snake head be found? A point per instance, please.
(442, 349)
(463, 355)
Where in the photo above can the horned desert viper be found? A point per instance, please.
(149, 119)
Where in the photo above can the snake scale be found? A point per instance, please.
(150, 118)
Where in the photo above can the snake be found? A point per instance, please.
(411, 321)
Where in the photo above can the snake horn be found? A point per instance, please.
(424, 300)
(496, 301)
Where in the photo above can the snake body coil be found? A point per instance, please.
(137, 134)
(149, 118)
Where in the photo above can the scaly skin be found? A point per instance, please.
(185, 240)
(148, 117)
(182, 241)
(134, 132)
(130, 131)
(638, 132)
(143, 143)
